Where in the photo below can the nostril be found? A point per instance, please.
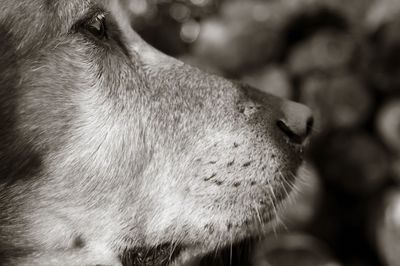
(289, 132)
(296, 131)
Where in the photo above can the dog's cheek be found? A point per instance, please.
(76, 113)
(213, 189)
(60, 85)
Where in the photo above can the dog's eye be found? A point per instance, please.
(97, 26)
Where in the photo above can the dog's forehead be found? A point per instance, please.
(42, 19)
(70, 10)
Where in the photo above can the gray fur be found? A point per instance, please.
(110, 147)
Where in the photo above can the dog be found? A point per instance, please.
(112, 153)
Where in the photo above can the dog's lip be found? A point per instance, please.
(160, 255)
(197, 250)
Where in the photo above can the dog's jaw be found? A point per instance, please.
(209, 232)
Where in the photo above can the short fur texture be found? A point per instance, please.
(110, 146)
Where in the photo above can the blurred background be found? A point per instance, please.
(341, 58)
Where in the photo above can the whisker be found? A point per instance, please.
(290, 185)
(281, 224)
(258, 214)
(173, 249)
(284, 187)
(272, 198)
(293, 186)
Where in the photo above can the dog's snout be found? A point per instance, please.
(297, 122)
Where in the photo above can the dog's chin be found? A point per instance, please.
(185, 254)
(171, 253)
(252, 225)
(260, 223)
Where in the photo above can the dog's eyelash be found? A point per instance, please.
(98, 15)
(92, 16)
(97, 26)
(94, 12)
(93, 26)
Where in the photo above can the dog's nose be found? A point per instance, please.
(297, 122)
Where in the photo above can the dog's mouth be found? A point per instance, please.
(261, 221)
(161, 255)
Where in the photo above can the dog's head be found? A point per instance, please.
(107, 145)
